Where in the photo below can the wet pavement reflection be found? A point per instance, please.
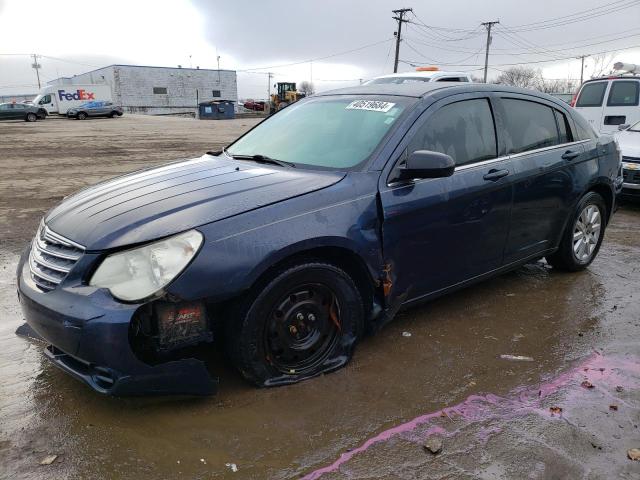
(564, 322)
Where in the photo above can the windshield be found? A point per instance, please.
(635, 127)
(397, 80)
(327, 132)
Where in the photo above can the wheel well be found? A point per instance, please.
(342, 258)
(606, 193)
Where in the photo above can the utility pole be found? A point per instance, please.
(488, 26)
(269, 77)
(36, 66)
(582, 57)
(400, 18)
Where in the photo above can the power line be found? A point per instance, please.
(597, 11)
(248, 70)
(536, 61)
(441, 62)
(543, 25)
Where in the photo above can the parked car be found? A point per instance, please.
(421, 75)
(565, 97)
(312, 228)
(95, 109)
(607, 103)
(629, 142)
(21, 111)
(258, 106)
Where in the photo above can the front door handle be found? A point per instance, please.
(495, 174)
(570, 155)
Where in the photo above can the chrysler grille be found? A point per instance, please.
(52, 257)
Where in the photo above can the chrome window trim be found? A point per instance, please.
(544, 149)
(484, 163)
(481, 164)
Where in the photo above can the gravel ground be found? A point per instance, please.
(445, 386)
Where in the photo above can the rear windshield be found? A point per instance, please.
(337, 132)
(397, 80)
(592, 95)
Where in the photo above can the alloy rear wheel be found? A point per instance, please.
(583, 236)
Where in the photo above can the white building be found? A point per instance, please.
(160, 90)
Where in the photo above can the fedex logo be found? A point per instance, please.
(78, 95)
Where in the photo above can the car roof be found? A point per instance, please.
(426, 89)
(613, 77)
(423, 74)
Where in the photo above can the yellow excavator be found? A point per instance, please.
(286, 95)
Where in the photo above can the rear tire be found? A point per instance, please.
(302, 322)
(31, 117)
(583, 235)
(81, 116)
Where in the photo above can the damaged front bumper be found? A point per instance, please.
(89, 336)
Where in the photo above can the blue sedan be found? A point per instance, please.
(312, 229)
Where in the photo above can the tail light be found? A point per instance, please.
(574, 99)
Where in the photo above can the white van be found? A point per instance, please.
(60, 98)
(609, 102)
(422, 74)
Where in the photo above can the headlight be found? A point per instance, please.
(140, 272)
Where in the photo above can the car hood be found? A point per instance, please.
(154, 203)
(629, 143)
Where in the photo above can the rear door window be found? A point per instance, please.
(463, 130)
(563, 127)
(452, 79)
(623, 94)
(529, 126)
(592, 95)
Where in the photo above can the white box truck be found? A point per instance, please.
(60, 98)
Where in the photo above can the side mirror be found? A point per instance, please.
(426, 164)
(623, 127)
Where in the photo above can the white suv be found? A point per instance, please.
(421, 76)
(607, 103)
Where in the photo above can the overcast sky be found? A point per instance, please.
(82, 35)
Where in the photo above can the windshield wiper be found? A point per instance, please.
(263, 159)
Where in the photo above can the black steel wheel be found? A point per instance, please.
(302, 322)
(302, 328)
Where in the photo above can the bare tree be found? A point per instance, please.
(555, 85)
(307, 88)
(602, 64)
(524, 77)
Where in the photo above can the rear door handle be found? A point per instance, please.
(495, 174)
(570, 155)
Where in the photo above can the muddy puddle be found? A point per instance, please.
(453, 354)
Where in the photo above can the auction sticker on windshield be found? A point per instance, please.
(371, 105)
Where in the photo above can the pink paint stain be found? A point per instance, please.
(598, 369)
